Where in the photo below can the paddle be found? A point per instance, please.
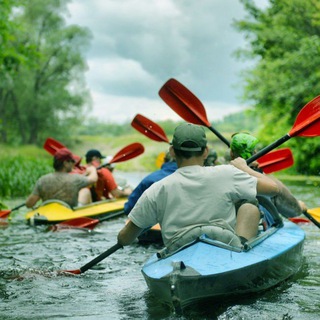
(78, 223)
(315, 213)
(276, 160)
(299, 220)
(5, 213)
(130, 151)
(126, 153)
(307, 124)
(187, 105)
(312, 215)
(81, 222)
(272, 162)
(52, 146)
(149, 128)
(99, 258)
(311, 218)
(96, 260)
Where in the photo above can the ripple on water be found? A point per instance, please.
(30, 287)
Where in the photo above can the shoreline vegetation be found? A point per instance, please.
(21, 166)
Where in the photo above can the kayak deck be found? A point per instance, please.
(56, 211)
(204, 270)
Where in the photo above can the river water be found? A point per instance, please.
(30, 288)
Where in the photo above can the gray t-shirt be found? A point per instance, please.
(61, 186)
(193, 196)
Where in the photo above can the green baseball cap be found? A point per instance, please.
(189, 133)
(243, 144)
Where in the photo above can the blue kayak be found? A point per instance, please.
(209, 269)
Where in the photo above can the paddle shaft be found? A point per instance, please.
(101, 257)
(270, 147)
(96, 260)
(219, 135)
(18, 207)
(311, 218)
(6, 213)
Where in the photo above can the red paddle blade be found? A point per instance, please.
(299, 220)
(4, 214)
(276, 160)
(149, 128)
(51, 145)
(130, 151)
(184, 102)
(82, 222)
(307, 123)
(77, 271)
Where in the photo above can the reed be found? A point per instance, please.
(18, 174)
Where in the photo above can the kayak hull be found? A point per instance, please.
(53, 212)
(204, 270)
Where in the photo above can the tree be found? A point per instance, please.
(284, 40)
(47, 93)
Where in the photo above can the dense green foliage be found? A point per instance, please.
(236, 122)
(285, 42)
(42, 92)
(41, 69)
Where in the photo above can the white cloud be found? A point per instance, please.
(139, 44)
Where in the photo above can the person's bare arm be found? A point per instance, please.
(32, 200)
(265, 185)
(285, 201)
(91, 174)
(128, 233)
(117, 193)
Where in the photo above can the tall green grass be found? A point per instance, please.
(18, 175)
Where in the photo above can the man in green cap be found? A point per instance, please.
(243, 145)
(195, 199)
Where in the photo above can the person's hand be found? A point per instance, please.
(303, 206)
(254, 165)
(240, 163)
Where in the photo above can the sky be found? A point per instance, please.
(138, 45)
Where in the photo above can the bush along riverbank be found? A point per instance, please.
(21, 167)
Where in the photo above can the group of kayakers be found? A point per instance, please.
(190, 194)
(220, 201)
(77, 186)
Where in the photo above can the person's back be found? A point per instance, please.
(168, 167)
(61, 185)
(196, 200)
(183, 203)
(106, 186)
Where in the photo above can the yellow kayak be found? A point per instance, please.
(55, 211)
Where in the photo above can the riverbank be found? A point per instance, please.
(15, 162)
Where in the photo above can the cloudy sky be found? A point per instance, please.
(138, 45)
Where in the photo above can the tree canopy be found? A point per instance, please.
(42, 91)
(284, 40)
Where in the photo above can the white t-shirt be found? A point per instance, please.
(193, 195)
